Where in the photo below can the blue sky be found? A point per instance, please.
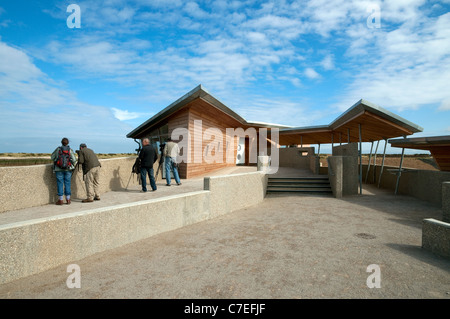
(296, 63)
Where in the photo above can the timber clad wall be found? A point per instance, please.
(210, 119)
(197, 117)
(179, 120)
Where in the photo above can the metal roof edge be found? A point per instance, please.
(364, 105)
(170, 108)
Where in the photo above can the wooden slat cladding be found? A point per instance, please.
(211, 119)
(180, 120)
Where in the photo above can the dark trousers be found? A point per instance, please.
(144, 171)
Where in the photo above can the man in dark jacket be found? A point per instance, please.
(91, 172)
(148, 157)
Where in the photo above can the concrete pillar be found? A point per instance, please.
(446, 202)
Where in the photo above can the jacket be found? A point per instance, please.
(148, 156)
(73, 161)
(171, 149)
(87, 159)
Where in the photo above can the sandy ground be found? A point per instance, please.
(286, 247)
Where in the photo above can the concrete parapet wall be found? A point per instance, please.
(292, 157)
(343, 175)
(422, 184)
(34, 246)
(30, 186)
(346, 150)
(233, 192)
(436, 237)
(446, 202)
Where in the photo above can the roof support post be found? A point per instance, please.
(360, 160)
(382, 162)
(348, 136)
(332, 142)
(399, 171)
(368, 165)
(375, 161)
(301, 141)
(318, 151)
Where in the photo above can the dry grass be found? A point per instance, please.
(416, 161)
(25, 159)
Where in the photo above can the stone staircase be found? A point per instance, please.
(299, 185)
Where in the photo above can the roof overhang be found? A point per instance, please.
(439, 147)
(375, 123)
(421, 143)
(197, 92)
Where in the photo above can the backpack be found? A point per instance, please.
(63, 160)
(137, 166)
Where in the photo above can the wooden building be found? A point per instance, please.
(206, 131)
(201, 125)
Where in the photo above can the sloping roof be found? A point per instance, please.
(439, 147)
(376, 122)
(197, 92)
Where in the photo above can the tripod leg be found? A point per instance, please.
(129, 181)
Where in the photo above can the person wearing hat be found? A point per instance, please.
(91, 172)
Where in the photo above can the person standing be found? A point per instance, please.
(91, 173)
(64, 163)
(171, 152)
(148, 157)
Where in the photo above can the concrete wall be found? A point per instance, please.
(35, 185)
(343, 175)
(422, 184)
(446, 202)
(292, 157)
(346, 150)
(34, 246)
(436, 237)
(343, 170)
(233, 192)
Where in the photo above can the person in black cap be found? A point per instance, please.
(91, 172)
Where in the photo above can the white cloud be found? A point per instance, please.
(404, 67)
(124, 115)
(328, 62)
(34, 105)
(445, 105)
(310, 73)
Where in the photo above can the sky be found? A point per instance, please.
(297, 63)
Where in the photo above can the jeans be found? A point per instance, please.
(144, 171)
(170, 164)
(63, 179)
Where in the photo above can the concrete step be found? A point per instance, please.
(276, 183)
(301, 190)
(299, 185)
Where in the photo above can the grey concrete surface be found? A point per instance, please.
(446, 202)
(436, 237)
(285, 247)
